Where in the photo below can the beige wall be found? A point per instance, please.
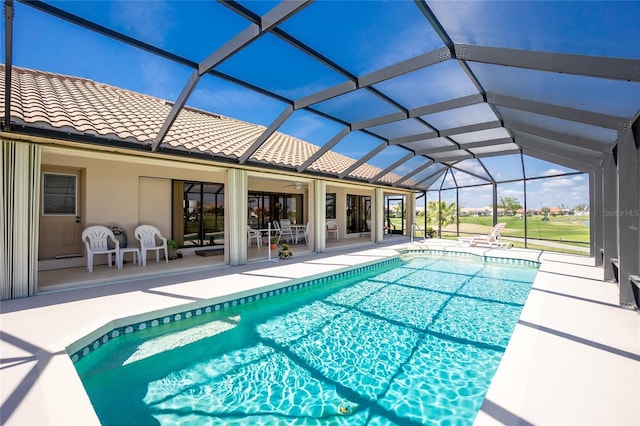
(341, 204)
(154, 207)
(125, 191)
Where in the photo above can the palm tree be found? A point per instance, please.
(445, 212)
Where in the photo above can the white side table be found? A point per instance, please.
(136, 255)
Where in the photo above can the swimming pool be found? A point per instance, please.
(417, 342)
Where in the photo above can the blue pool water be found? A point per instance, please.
(417, 343)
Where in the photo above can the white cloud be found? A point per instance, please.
(552, 172)
(305, 126)
(558, 183)
(150, 21)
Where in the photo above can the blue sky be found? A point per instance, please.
(365, 36)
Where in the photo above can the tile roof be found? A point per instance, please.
(82, 107)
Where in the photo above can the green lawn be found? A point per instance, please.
(558, 228)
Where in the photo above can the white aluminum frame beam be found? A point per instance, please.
(433, 176)
(268, 22)
(572, 152)
(462, 147)
(273, 127)
(392, 167)
(363, 160)
(324, 148)
(471, 128)
(559, 158)
(404, 67)
(556, 111)
(413, 173)
(446, 105)
(591, 66)
(377, 121)
(454, 167)
(562, 138)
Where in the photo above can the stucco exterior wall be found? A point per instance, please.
(124, 191)
(341, 205)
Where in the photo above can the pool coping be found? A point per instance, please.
(127, 325)
(40, 384)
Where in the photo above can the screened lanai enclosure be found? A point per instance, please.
(505, 109)
(543, 205)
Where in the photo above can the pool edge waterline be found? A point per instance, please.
(126, 325)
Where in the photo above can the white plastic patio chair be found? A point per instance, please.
(96, 238)
(253, 234)
(151, 239)
(285, 230)
(332, 228)
(276, 230)
(303, 232)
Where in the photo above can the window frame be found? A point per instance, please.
(45, 196)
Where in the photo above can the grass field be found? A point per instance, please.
(571, 230)
(559, 228)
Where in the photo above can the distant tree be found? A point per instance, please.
(545, 210)
(448, 213)
(563, 207)
(581, 207)
(509, 204)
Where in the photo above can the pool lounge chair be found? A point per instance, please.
(492, 239)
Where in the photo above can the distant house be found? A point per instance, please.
(475, 211)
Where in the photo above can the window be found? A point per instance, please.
(358, 213)
(59, 194)
(330, 204)
(202, 213)
(265, 207)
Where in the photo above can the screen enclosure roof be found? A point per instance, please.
(409, 89)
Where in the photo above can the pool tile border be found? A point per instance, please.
(261, 295)
(488, 259)
(221, 305)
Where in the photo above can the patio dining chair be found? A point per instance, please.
(276, 230)
(151, 239)
(285, 230)
(96, 238)
(253, 234)
(332, 228)
(303, 232)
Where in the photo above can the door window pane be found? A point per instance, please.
(203, 205)
(59, 194)
(358, 213)
(331, 206)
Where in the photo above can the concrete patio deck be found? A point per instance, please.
(574, 357)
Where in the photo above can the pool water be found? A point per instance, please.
(417, 343)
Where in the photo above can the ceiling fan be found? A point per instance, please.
(295, 185)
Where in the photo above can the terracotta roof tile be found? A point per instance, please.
(84, 107)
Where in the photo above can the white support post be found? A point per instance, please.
(319, 224)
